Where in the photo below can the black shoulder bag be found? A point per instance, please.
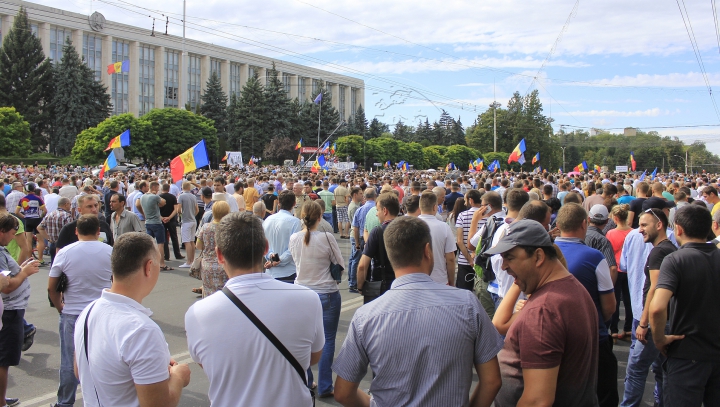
(271, 337)
(377, 288)
(336, 269)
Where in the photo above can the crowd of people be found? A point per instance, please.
(515, 276)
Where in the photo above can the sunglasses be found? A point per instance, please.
(653, 214)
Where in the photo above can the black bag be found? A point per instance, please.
(62, 283)
(486, 239)
(377, 288)
(336, 269)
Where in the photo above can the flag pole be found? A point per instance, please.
(319, 112)
(342, 123)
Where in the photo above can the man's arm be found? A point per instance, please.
(631, 216)
(349, 394)
(450, 265)
(54, 294)
(138, 206)
(461, 245)
(24, 247)
(658, 319)
(641, 332)
(162, 202)
(42, 233)
(489, 383)
(166, 393)
(363, 266)
(540, 386)
(315, 357)
(607, 305)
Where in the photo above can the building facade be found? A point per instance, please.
(160, 75)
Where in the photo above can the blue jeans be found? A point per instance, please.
(641, 359)
(68, 381)
(328, 217)
(331, 304)
(353, 262)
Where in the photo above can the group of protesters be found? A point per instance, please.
(518, 277)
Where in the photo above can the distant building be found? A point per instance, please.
(157, 69)
(630, 131)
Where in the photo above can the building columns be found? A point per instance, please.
(225, 76)
(134, 79)
(160, 77)
(106, 60)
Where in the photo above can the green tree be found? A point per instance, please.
(352, 146)
(360, 122)
(26, 79)
(433, 157)
(382, 149)
(461, 155)
(79, 102)
(247, 123)
(214, 106)
(177, 130)
(412, 153)
(376, 129)
(280, 149)
(90, 143)
(277, 107)
(14, 133)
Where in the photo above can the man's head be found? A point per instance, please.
(473, 198)
(297, 189)
(388, 206)
(598, 215)
(286, 199)
(652, 224)
(240, 243)
(155, 187)
(528, 253)
(492, 199)
(9, 225)
(114, 185)
(711, 194)
(428, 203)
(716, 224)
(143, 186)
(206, 194)
(370, 194)
(356, 194)
(88, 204)
(692, 222)
(135, 262)
(538, 211)
(219, 184)
(572, 220)
(64, 203)
(88, 226)
(412, 205)
(643, 188)
(259, 209)
(186, 186)
(657, 189)
(409, 245)
(515, 200)
(117, 202)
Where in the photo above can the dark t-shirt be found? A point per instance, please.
(655, 259)
(170, 202)
(106, 198)
(269, 199)
(636, 208)
(557, 327)
(375, 249)
(67, 234)
(692, 273)
(450, 200)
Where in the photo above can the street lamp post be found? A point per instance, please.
(686, 162)
(495, 105)
(563, 149)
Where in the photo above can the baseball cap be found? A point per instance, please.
(598, 213)
(524, 232)
(207, 192)
(657, 203)
(218, 196)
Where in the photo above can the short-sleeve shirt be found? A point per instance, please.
(691, 274)
(30, 205)
(327, 197)
(19, 298)
(464, 220)
(443, 242)
(341, 196)
(86, 279)
(251, 196)
(371, 220)
(170, 202)
(597, 240)
(151, 207)
(187, 206)
(375, 249)
(636, 208)
(654, 260)
(269, 201)
(67, 234)
(557, 327)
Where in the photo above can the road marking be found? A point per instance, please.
(181, 357)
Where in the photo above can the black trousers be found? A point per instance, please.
(622, 292)
(465, 277)
(171, 229)
(607, 375)
(198, 217)
(691, 382)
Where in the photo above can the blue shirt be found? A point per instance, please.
(358, 220)
(332, 187)
(590, 267)
(625, 199)
(278, 229)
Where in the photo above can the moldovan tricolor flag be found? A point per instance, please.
(110, 163)
(632, 160)
(517, 152)
(123, 140)
(192, 159)
(298, 145)
(536, 158)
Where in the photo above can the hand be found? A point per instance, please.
(554, 232)
(520, 305)
(30, 267)
(641, 334)
(4, 281)
(182, 371)
(665, 341)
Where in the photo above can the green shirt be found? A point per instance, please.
(13, 247)
(371, 219)
(327, 197)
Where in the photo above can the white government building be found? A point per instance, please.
(157, 68)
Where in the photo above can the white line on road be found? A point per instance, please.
(181, 357)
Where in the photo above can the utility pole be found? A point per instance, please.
(563, 167)
(494, 105)
(183, 65)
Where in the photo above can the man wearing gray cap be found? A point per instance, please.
(550, 352)
(595, 238)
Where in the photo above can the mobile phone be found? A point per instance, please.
(275, 257)
(6, 273)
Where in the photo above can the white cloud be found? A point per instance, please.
(654, 112)
(671, 80)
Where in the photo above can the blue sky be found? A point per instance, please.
(613, 63)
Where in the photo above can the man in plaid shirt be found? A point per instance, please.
(53, 223)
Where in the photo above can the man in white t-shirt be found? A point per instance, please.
(86, 264)
(126, 361)
(51, 200)
(247, 372)
(443, 241)
(68, 190)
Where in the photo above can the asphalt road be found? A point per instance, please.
(35, 380)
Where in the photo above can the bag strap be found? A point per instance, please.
(265, 331)
(85, 345)
(332, 252)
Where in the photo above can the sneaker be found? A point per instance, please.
(184, 266)
(11, 402)
(354, 291)
(28, 342)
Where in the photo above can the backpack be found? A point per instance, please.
(483, 266)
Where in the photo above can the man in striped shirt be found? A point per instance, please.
(418, 313)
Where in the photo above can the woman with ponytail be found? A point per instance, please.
(313, 252)
(619, 214)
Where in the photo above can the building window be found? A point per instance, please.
(235, 85)
(215, 67)
(254, 70)
(172, 77)
(57, 41)
(341, 101)
(301, 89)
(194, 85)
(286, 83)
(316, 86)
(147, 79)
(92, 53)
(0, 31)
(353, 102)
(120, 81)
(34, 29)
(267, 77)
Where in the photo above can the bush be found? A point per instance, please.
(14, 133)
